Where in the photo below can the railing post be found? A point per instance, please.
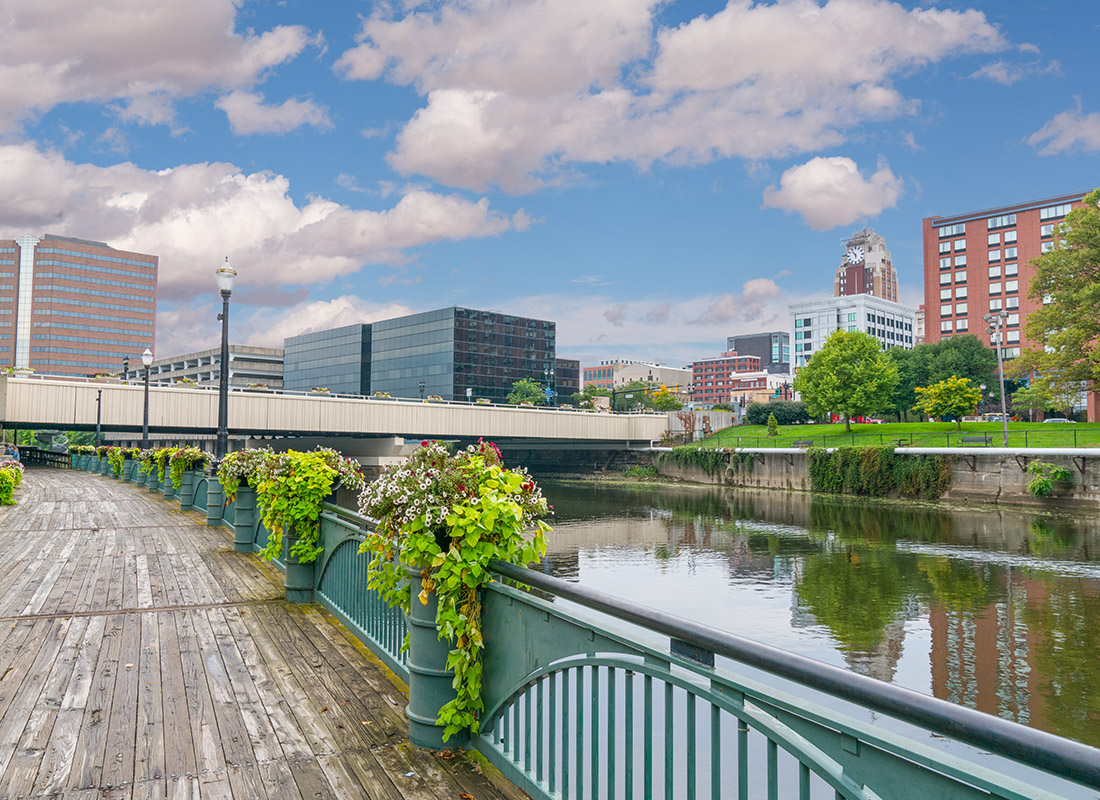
(244, 518)
(187, 490)
(429, 679)
(215, 501)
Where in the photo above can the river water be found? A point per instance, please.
(995, 609)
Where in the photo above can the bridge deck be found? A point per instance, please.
(140, 657)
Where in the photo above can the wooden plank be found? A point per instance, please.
(118, 765)
(91, 744)
(149, 761)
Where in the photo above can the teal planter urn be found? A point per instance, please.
(139, 474)
(299, 576)
(74, 460)
(82, 462)
(430, 682)
(152, 480)
(215, 502)
(167, 489)
(128, 465)
(104, 466)
(187, 490)
(244, 518)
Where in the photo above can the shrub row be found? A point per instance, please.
(877, 472)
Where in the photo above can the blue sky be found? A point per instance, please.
(652, 176)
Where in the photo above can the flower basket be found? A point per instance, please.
(483, 401)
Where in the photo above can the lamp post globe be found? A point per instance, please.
(146, 361)
(225, 276)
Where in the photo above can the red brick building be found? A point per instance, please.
(714, 380)
(74, 307)
(980, 262)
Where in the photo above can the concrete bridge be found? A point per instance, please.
(191, 413)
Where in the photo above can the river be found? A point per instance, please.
(995, 609)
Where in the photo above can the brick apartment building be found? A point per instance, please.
(73, 306)
(714, 380)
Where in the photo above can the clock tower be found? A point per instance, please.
(866, 268)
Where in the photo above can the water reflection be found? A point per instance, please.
(998, 610)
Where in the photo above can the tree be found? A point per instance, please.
(952, 397)
(787, 412)
(850, 375)
(664, 400)
(527, 391)
(773, 425)
(1065, 329)
(1031, 399)
(584, 399)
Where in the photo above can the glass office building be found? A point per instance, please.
(338, 359)
(454, 353)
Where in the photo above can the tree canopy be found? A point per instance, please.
(527, 391)
(850, 375)
(951, 397)
(1065, 329)
(926, 364)
(1031, 399)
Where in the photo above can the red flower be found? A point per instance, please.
(424, 443)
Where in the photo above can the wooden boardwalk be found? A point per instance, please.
(140, 657)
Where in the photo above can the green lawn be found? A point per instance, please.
(918, 434)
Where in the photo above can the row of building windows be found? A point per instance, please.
(7, 249)
(1054, 212)
(92, 268)
(57, 287)
(1006, 221)
(74, 326)
(112, 259)
(79, 352)
(53, 298)
(53, 362)
(995, 238)
(88, 279)
(60, 312)
(952, 230)
(86, 340)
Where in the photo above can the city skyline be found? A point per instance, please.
(654, 177)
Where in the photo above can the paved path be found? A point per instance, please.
(140, 657)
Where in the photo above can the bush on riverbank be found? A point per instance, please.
(878, 471)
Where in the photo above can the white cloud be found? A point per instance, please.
(264, 329)
(752, 81)
(248, 114)
(143, 54)
(828, 192)
(748, 306)
(195, 215)
(1007, 73)
(1068, 132)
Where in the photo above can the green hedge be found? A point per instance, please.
(708, 459)
(878, 471)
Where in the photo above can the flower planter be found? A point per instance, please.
(167, 489)
(152, 480)
(73, 460)
(215, 502)
(128, 466)
(244, 519)
(430, 682)
(140, 475)
(104, 466)
(299, 576)
(187, 490)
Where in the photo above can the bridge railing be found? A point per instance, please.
(631, 702)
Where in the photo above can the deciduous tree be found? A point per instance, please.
(850, 375)
(527, 391)
(952, 397)
(1031, 399)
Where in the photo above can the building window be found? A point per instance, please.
(995, 288)
(1008, 220)
(1012, 286)
(995, 272)
(1011, 352)
(960, 277)
(1010, 237)
(945, 263)
(1047, 230)
(962, 325)
(1013, 319)
(945, 247)
(952, 230)
(960, 308)
(945, 326)
(1012, 336)
(995, 305)
(960, 293)
(994, 239)
(798, 323)
(1046, 247)
(1012, 302)
(994, 255)
(945, 294)
(1010, 253)
(852, 317)
(945, 278)
(945, 310)
(852, 328)
(960, 261)
(1055, 212)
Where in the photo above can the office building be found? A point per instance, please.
(248, 366)
(813, 320)
(567, 379)
(453, 353)
(614, 374)
(602, 375)
(866, 268)
(337, 359)
(773, 349)
(713, 379)
(918, 325)
(980, 262)
(74, 306)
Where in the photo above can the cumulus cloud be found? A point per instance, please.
(248, 114)
(1006, 73)
(616, 314)
(828, 192)
(144, 55)
(194, 215)
(516, 93)
(747, 306)
(1068, 132)
(268, 330)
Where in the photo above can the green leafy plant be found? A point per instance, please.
(708, 459)
(450, 515)
(1045, 476)
(184, 459)
(147, 459)
(877, 472)
(639, 471)
(8, 482)
(241, 466)
(773, 425)
(289, 491)
(161, 458)
(115, 457)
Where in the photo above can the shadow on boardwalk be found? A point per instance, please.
(140, 657)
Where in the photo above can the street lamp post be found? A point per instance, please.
(125, 368)
(225, 275)
(147, 361)
(98, 409)
(422, 390)
(996, 324)
(548, 374)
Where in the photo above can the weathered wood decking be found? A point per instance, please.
(140, 657)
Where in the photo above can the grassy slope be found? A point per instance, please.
(926, 434)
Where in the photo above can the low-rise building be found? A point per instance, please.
(247, 365)
(713, 379)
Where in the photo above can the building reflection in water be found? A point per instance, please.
(1007, 603)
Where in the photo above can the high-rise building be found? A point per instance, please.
(454, 353)
(773, 348)
(980, 262)
(813, 320)
(866, 268)
(73, 306)
(714, 380)
(567, 378)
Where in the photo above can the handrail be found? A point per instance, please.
(1044, 751)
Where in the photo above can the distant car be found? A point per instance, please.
(1061, 419)
(994, 417)
(875, 421)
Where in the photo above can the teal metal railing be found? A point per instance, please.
(578, 708)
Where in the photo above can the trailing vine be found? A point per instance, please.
(161, 458)
(290, 488)
(450, 515)
(184, 459)
(708, 459)
(115, 457)
(878, 471)
(241, 466)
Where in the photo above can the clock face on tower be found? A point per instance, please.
(855, 255)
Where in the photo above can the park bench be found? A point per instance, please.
(975, 439)
(803, 443)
